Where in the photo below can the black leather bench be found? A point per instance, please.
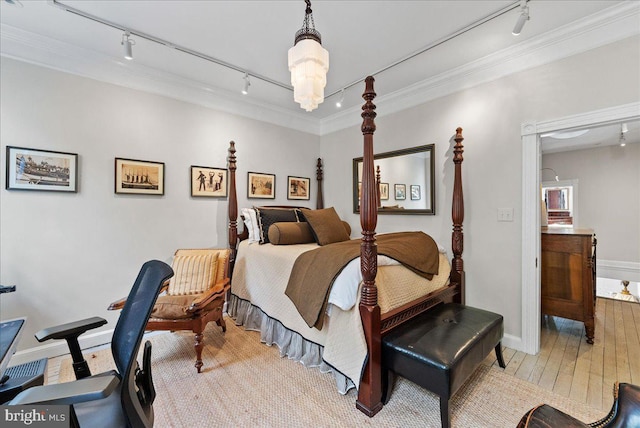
(439, 350)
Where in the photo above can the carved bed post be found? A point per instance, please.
(457, 215)
(319, 176)
(233, 207)
(378, 185)
(370, 391)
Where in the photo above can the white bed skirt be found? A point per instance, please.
(290, 343)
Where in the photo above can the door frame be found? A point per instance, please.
(531, 163)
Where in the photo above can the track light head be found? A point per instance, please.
(341, 99)
(247, 83)
(127, 43)
(522, 18)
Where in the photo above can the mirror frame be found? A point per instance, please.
(430, 148)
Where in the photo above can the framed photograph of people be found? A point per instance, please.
(400, 191)
(415, 192)
(35, 169)
(298, 188)
(139, 177)
(261, 186)
(209, 181)
(384, 191)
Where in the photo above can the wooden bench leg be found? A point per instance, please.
(499, 355)
(444, 412)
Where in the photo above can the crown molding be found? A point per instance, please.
(611, 25)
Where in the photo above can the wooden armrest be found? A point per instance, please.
(119, 304)
(218, 290)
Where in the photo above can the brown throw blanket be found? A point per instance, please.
(314, 271)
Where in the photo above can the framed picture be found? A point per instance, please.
(415, 192)
(209, 181)
(139, 177)
(261, 186)
(298, 188)
(34, 169)
(400, 191)
(384, 191)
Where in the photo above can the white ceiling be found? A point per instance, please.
(362, 37)
(602, 136)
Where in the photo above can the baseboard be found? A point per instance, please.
(618, 270)
(59, 347)
(513, 342)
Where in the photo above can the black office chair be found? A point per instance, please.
(123, 397)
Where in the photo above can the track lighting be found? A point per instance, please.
(623, 128)
(522, 18)
(341, 100)
(127, 43)
(247, 83)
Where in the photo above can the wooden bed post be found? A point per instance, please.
(457, 215)
(319, 176)
(233, 207)
(370, 391)
(378, 186)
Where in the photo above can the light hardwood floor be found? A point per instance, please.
(569, 366)
(566, 363)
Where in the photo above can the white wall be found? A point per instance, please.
(491, 116)
(608, 196)
(72, 254)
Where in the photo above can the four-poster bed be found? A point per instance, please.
(373, 317)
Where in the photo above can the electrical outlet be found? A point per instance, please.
(505, 214)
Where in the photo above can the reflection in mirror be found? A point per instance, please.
(405, 181)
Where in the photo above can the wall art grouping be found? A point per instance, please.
(37, 169)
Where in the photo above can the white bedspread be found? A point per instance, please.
(261, 274)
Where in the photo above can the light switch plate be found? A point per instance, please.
(505, 214)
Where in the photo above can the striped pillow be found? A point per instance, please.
(194, 274)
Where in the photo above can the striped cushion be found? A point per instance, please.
(194, 273)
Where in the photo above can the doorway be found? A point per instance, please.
(531, 202)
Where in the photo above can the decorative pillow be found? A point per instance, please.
(289, 233)
(251, 222)
(268, 216)
(193, 274)
(326, 226)
(347, 227)
(172, 307)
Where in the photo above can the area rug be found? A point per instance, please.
(245, 383)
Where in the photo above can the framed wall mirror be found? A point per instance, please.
(405, 178)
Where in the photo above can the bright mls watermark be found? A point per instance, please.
(53, 416)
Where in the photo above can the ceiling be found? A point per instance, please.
(362, 37)
(601, 136)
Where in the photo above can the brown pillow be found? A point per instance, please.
(326, 226)
(347, 227)
(288, 233)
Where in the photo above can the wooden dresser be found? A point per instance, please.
(569, 275)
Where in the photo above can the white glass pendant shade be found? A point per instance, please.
(308, 64)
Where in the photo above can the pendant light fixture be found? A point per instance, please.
(308, 64)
